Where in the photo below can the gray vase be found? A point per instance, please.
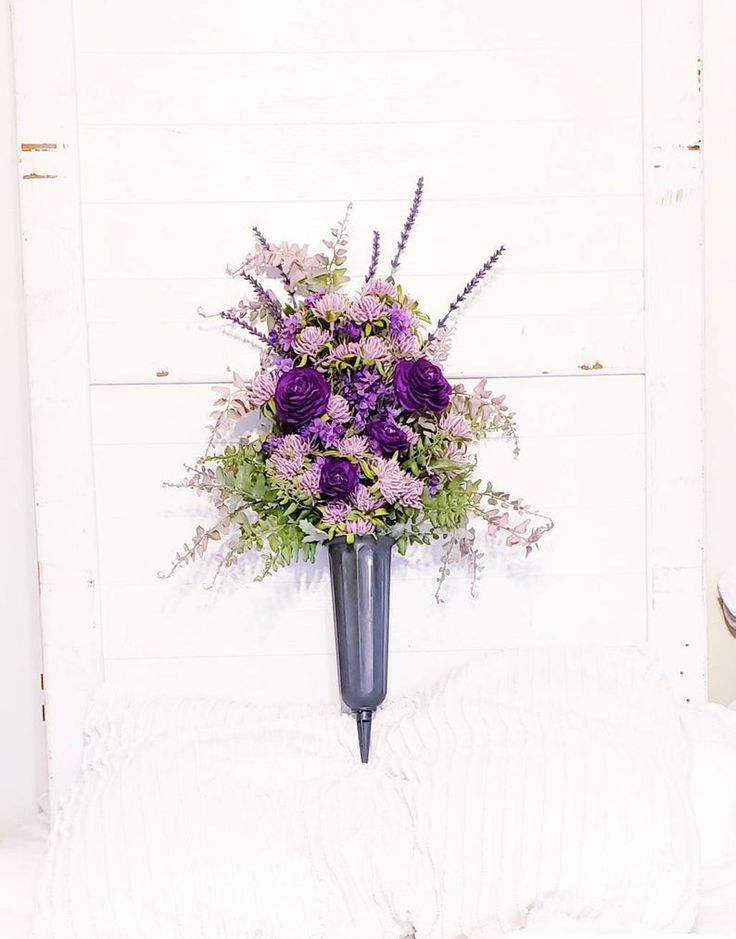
(361, 582)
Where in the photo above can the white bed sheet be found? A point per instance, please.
(179, 824)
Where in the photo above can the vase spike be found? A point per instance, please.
(364, 719)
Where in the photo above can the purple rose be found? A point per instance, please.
(421, 386)
(388, 437)
(338, 478)
(301, 394)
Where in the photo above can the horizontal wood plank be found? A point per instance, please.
(317, 88)
(204, 350)
(234, 26)
(451, 239)
(307, 162)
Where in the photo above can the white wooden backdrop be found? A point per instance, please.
(154, 134)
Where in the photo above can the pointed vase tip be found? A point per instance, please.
(364, 719)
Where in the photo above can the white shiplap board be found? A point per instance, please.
(526, 119)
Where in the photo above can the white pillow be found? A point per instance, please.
(550, 790)
(533, 787)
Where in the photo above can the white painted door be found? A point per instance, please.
(193, 121)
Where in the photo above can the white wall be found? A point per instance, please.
(22, 755)
(526, 119)
(720, 298)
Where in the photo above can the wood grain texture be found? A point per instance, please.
(673, 242)
(59, 380)
(526, 119)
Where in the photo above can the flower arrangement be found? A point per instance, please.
(360, 433)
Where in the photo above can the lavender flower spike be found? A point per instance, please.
(472, 284)
(374, 256)
(263, 295)
(409, 223)
(236, 316)
(260, 237)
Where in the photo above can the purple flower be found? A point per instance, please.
(434, 484)
(301, 394)
(287, 329)
(350, 331)
(388, 437)
(329, 433)
(367, 392)
(421, 386)
(338, 478)
(401, 320)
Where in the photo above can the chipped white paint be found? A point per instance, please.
(222, 125)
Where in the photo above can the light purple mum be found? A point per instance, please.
(366, 310)
(310, 340)
(398, 486)
(357, 445)
(378, 286)
(338, 409)
(335, 512)
(309, 481)
(360, 526)
(262, 388)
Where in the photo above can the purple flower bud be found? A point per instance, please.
(421, 386)
(388, 437)
(338, 478)
(301, 394)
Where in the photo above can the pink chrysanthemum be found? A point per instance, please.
(379, 286)
(335, 512)
(456, 452)
(309, 481)
(292, 445)
(331, 303)
(310, 340)
(406, 347)
(396, 485)
(457, 426)
(356, 445)
(360, 526)
(412, 492)
(344, 350)
(366, 310)
(338, 409)
(262, 388)
(285, 467)
(373, 349)
(364, 501)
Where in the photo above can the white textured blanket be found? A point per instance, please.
(534, 788)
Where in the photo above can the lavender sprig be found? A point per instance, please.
(236, 316)
(260, 237)
(263, 295)
(471, 285)
(409, 223)
(374, 257)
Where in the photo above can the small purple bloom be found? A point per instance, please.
(338, 478)
(421, 386)
(329, 433)
(312, 298)
(401, 320)
(434, 484)
(349, 331)
(301, 394)
(287, 330)
(388, 437)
